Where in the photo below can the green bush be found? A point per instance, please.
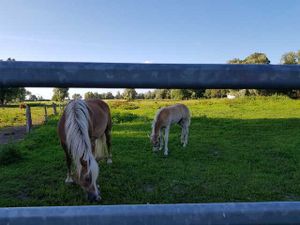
(9, 154)
(123, 117)
(215, 93)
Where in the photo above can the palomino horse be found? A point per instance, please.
(164, 118)
(84, 132)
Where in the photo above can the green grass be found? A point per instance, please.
(12, 115)
(239, 150)
(9, 153)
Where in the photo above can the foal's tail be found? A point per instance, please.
(189, 115)
(77, 131)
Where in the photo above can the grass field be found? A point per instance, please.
(12, 115)
(239, 150)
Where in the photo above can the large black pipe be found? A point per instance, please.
(133, 75)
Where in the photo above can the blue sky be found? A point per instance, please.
(159, 31)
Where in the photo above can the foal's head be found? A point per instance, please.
(88, 175)
(155, 137)
(155, 141)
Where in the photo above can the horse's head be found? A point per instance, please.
(87, 179)
(154, 139)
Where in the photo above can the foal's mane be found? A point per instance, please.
(155, 118)
(77, 133)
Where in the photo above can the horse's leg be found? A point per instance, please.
(69, 178)
(167, 130)
(108, 144)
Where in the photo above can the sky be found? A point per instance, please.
(153, 31)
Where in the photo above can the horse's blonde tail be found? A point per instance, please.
(101, 149)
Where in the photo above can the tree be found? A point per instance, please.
(12, 94)
(11, 59)
(60, 94)
(89, 95)
(129, 94)
(76, 96)
(216, 93)
(140, 96)
(256, 58)
(95, 95)
(235, 61)
(149, 95)
(27, 93)
(109, 95)
(118, 95)
(196, 93)
(180, 94)
(162, 93)
(32, 98)
(290, 58)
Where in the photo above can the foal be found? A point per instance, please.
(164, 118)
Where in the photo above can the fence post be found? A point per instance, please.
(45, 115)
(54, 109)
(28, 119)
(61, 108)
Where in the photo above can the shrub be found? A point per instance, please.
(215, 93)
(123, 117)
(9, 153)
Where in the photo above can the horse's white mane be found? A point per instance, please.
(77, 135)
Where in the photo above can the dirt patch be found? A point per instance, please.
(12, 134)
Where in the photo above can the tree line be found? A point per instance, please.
(59, 94)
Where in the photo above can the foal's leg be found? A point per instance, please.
(186, 134)
(108, 143)
(182, 138)
(69, 179)
(167, 130)
(161, 139)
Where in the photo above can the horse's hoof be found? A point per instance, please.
(166, 153)
(109, 161)
(69, 180)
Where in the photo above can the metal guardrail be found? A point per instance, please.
(132, 75)
(271, 213)
(127, 75)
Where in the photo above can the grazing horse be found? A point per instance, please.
(85, 135)
(163, 119)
